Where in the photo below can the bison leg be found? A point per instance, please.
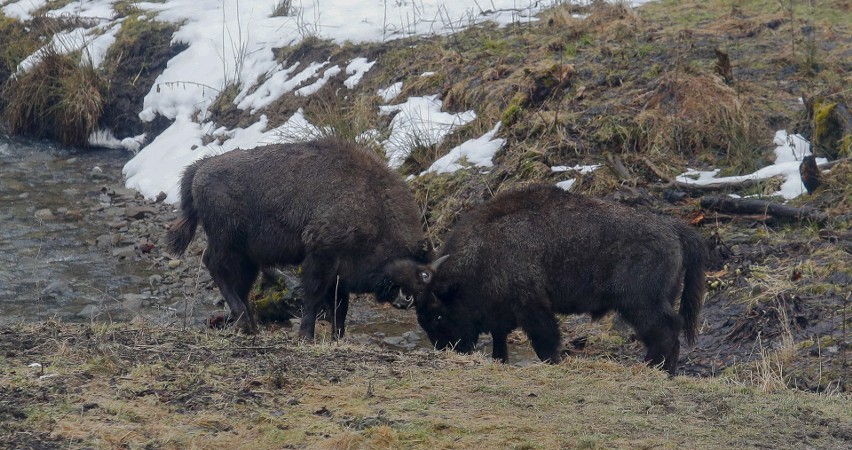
(318, 281)
(659, 331)
(542, 328)
(234, 275)
(499, 346)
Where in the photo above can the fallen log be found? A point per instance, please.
(671, 182)
(754, 206)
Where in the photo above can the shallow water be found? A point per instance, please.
(50, 267)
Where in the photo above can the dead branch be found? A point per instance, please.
(617, 167)
(671, 182)
(755, 206)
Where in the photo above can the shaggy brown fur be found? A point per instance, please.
(528, 254)
(328, 205)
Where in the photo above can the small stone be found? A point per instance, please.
(174, 263)
(24, 196)
(125, 252)
(397, 341)
(44, 214)
(71, 192)
(73, 214)
(97, 173)
(120, 225)
(155, 280)
(63, 210)
(134, 302)
(103, 241)
(70, 160)
(57, 289)
(139, 212)
(89, 311)
(160, 197)
(411, 336)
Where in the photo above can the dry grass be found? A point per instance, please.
(136, 386)
(58, 99)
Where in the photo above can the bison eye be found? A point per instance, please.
(424, 277)
(438, 318)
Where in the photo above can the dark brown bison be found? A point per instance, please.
(331, 206)
(527, 254)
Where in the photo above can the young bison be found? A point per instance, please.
(525, 255)
(329, 205)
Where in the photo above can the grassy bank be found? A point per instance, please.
(132, 386)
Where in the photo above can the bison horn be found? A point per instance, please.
(435, 264)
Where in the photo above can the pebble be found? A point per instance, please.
(173, 263)
(134, 302)
(89, 311)
(44, 214)
(73, 214)
(124, 252)
(97, 173)
(139, 212)
(57, 289)
(104, 240)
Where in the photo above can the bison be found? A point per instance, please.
(329, 205)
(528, 254)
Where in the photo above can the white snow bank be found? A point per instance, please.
(419, 121)
(160, 166)
(391, 92)
(477, 152)
(356, 70)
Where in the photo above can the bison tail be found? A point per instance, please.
(695, 259)
(182, 231)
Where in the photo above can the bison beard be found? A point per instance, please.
(329, 205)
(529, 254)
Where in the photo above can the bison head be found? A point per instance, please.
(444, 320)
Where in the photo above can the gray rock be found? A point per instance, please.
(398, 341)
(126, 193)
(73, 214)
(124, 252)
(71, 192)
(139, 212)
(90, 311)
(135, 302)
(97, 173)
(411, 336)
(57, 289)
(43, 214)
